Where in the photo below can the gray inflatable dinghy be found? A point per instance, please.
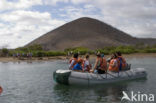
(73, 77)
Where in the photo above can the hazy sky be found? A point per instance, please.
(21, 21)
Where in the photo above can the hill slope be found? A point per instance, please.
(86, 32)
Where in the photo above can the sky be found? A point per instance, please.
(22, 21)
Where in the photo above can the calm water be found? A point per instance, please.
(33, 83)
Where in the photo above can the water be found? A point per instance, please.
(33, 83)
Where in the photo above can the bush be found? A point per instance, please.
(81, 50)
(150, 50)
(40, 54)
(103, 51)
(35, 47)
(5, 52)
(22, 49)
(37, 51)
(126, 49)
(122, 49)
(55, 53)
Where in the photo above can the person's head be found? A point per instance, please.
(76, 55)
(80, 61)
(118, 53)
(114, 56)
(102, 55)
(87, 56)
(98, 54)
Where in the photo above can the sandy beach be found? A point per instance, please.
(11, 59)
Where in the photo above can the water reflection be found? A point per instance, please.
(81, 94)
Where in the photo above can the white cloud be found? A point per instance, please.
(20, 4)
(53, 2)
(73, 13)
(21, 27)
(136, 17)
(28, 16)
(79, 1)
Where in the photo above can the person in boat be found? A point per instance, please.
(113, 65)
(78, 66)
(104, 64)
(86, 64)
(100, 64)
(122, 61)
(73, 61)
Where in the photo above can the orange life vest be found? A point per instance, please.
(103, 64)
(114, 68)
(123, 62)
(75, 61)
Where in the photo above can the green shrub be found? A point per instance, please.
(35, 47)
(23, 49)
(150, 50)
(40, 53)
(37, 50)
(122, 49)
(103, 51)
(5, 51)
(81, 50)
(55, 53)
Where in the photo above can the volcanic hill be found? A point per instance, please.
(87, 32)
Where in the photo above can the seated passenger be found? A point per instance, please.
(78, 66)
(104, 63)
(122, 61)
(86, 64)
(73, 61)
(100, 64)
(113, 65)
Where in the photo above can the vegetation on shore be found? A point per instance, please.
(37, 51)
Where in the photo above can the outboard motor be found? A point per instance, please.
(62, 76)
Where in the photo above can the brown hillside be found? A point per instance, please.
(86, 32)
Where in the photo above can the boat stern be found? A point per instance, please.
(61, 76)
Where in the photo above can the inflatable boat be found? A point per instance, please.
(77, 78)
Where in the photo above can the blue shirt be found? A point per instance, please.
(77, 67)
